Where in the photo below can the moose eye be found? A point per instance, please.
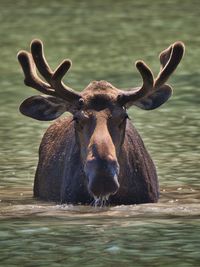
(124, 119)
(80, 120)
(78, 123)
(76, 119)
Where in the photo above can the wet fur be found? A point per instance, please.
(60, 176)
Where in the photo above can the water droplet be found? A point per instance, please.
(113, 249)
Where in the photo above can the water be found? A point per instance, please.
(102, 39)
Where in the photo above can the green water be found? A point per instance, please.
(103, 39)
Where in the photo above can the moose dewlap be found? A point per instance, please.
(95, 154)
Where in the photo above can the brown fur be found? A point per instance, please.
(60, 174)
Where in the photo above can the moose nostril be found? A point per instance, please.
(103, 186)
(102, 174)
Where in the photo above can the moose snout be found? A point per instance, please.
(102, 177)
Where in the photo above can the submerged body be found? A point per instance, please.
(60, 174)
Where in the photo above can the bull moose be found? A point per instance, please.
(96, 154)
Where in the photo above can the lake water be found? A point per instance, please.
(103, 39)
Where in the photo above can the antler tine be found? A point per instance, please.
(53, 78)
(154, 93)
(40, 61)
(139, 92)
(61, 70)
(31, 77)
(57, 83)
(54, 85)
(147, 77)
(169, 59)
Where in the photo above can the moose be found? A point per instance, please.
(95, 154)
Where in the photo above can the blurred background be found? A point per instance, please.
(104, 39)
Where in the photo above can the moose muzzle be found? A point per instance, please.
(102, 177)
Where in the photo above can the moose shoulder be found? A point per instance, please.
(95, 154)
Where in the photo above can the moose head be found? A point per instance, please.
(99, 111)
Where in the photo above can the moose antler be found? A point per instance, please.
(154, 92)
(54, 85)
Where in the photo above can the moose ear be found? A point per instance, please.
(160, 96)
(43, 108)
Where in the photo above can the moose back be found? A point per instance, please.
(96, 154)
